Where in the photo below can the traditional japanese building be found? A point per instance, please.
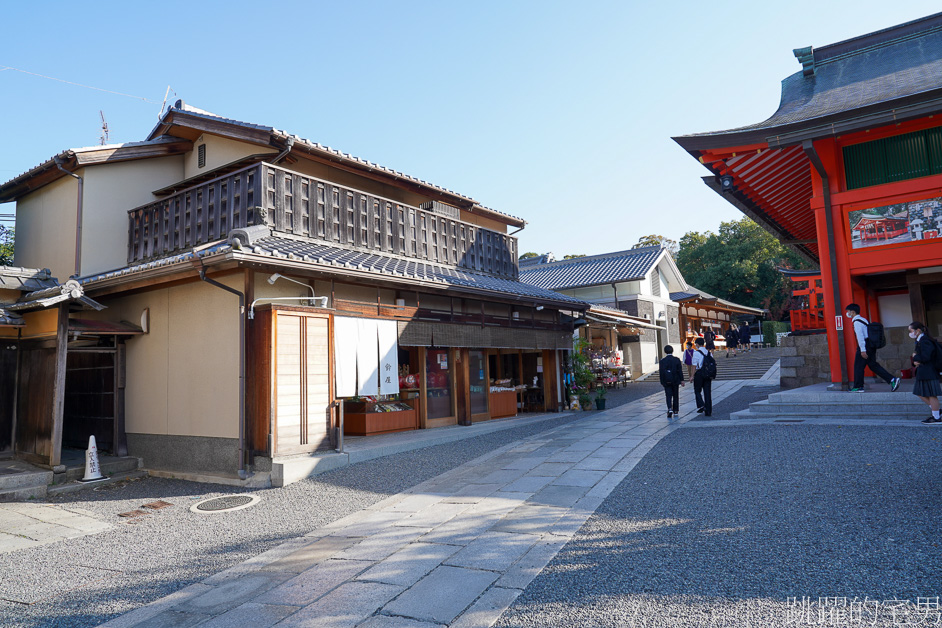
(249, 283)
(848, 172)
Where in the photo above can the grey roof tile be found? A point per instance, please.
(874, 69)
(628, 265)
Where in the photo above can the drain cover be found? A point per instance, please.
(225, 504)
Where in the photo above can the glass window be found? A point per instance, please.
(478, 382)
(438, 378)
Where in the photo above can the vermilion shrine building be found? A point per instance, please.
(848, 172)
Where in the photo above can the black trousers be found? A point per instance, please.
(672, 392)
(703, 386)
(860, 364)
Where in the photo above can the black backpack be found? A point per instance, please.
(876, 337)
(708, 367)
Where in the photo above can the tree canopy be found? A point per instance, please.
(657, 240)
(574, 256)
(528, 255)
(738, 263)
(6, 246)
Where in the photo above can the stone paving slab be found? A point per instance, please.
(27, 525)
(456, 549)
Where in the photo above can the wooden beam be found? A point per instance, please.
(58, 388)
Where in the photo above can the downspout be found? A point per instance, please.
(78, 216)
(242, 472)
(812, 154)
(289, 143)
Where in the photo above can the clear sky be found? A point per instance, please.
(560, 113)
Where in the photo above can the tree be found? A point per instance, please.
(739, 263)
(6, 246)
(529, 255)
(657, 240)
(573, 256)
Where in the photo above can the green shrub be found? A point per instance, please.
(771, 328)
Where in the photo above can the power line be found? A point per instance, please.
(52, 78)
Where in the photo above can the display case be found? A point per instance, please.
(363, 418)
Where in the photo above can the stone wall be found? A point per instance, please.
(673, 329)
(805, 358)
(805, 361)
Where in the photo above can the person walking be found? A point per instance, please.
(732, 340)
(866, 354)
(688, 359)
(672, 378)
(745, 337)
(709, 339)
(925, 357)
(702, 382)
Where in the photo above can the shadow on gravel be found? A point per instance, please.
(721, 517)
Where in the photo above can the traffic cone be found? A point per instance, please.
(92, 470)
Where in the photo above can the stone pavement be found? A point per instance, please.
(28, 525)
(455, 550)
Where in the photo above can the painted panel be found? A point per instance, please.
(895, 224)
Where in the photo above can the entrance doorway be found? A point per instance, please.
(932, 299)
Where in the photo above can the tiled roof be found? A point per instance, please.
(692, 293)
(10, 319)
(873, 70)
(337, 257)
(628, 265)
(546, 258)
(26, 279)
(330, 258)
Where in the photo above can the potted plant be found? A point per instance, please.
(582, 373)
(585, 401)
(600, 398)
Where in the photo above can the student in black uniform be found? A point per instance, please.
(925, 357)
(672, 378)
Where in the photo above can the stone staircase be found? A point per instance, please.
(750, 365)
(817, 402)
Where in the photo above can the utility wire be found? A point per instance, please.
(108, 91)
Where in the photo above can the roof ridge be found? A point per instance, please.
(600, 256)
(880, 38)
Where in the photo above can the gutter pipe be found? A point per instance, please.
(289, 143)
(242, 472)
(812, 154)
(78, 215)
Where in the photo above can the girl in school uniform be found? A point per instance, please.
(688, 359)
(927, 385)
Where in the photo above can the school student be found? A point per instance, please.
(925, 357)
(732, 340)
(702, 383)
(745, 337)
(866, 354)
(672, 378)
(709, 339)
(688, 359)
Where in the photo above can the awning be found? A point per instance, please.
(612, 318)
(103, 328)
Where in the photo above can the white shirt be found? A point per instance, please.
(861, 332)
(698, 357)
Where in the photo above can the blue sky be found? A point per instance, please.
(558, 112)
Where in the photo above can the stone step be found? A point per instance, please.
(13, 481)
(108, 467)
(858, 408)
(23, 493)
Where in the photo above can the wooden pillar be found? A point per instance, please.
(423, 391)
(120, 370)
(463, 386)
(58, 388)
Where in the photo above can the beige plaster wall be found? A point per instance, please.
(110, 191)
(45, 228)
(219, 152)
(183, 376)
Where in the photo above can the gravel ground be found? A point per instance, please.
(721, 526)
(739, 400)
(86, 581)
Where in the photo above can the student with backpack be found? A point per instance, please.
(870, 337)
(927, 358)
(703, 377)
(672, 378)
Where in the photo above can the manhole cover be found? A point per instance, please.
(225, 504)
